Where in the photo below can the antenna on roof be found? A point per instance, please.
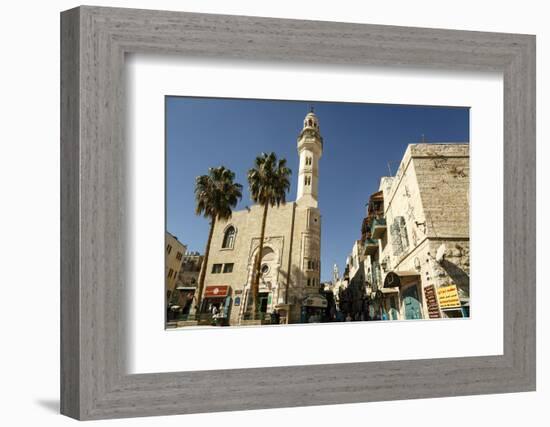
(423, 139)
(389, 168)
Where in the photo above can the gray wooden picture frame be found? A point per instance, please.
(94, 41)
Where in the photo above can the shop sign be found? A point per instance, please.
(448, 297)
(392, 280)
(431, 302)
(237, 301)
(216, 291)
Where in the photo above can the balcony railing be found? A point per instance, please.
(371, 246)
(378, 228)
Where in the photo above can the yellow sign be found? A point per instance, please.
(448, 297)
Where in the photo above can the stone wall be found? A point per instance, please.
(443, 176)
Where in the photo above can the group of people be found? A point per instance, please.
(217, 311)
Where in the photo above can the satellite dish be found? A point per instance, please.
(440, 254)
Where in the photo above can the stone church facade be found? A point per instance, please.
(290, 264)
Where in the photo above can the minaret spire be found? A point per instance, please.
(310, 149)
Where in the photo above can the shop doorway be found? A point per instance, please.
(262, 298)
(411, 303)
(212, 305)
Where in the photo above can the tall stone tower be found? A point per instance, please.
(310, 149)
(335, 274)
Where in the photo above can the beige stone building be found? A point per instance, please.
(355, 263)
(186, 284)
(417, 242)
(190, 269)
(290, 263)
(174, 252)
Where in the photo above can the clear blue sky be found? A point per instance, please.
(359, 142)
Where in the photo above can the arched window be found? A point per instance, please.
(229, 238)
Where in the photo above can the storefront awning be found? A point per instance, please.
(316, 301)
(400, 278)
(186, 288)
(216, 291)
(388, 290)
(382, 292)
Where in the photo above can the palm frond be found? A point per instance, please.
(216, 194)
(269, 180)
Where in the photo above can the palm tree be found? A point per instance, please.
(215, 196)
(269, 181)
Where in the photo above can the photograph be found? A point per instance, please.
(285, 212)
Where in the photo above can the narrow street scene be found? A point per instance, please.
(390, 242)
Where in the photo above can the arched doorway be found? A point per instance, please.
(268, 270)
(267, 289)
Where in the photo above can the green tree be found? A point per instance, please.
(215, 196)
(269, 181)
